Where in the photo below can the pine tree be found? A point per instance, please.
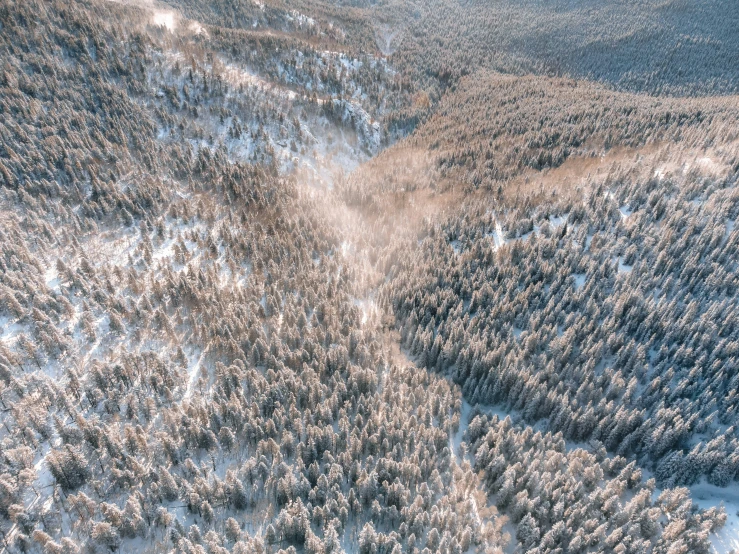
(527, 532)
(233, 531)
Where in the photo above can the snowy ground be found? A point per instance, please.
(707, 496)
(331, 157)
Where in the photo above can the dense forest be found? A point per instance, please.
(319, 277)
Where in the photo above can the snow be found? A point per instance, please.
(164, 19)
(333, 157)
(193, 370)
(706, 162)
(456, 440)
(197, 28)
(704, 495)
(707, 496)
(730, 223)
(10, 329)
(331, 151)
(369, 128)
(164, 250)
(557, 220)
(485, 409)
(622, 267)
(240, 76)
(498, 236)
(51, 277)
(625, 212)
(368, 307)
(41, 490)
(302, 19)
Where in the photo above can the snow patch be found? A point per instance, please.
(10, 330)
(165, 19)
(193, 371)
(557, 220)
(197, 28)
(302, 19)
(625, 212)
(368, 307)
(622, 267)
(588, 240)
(238, 76)
(730, 223)
(51, 277)
(706, 496)
(498, 236)
(706, 162)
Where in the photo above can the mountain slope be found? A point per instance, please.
(240, 312)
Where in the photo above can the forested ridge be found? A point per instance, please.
(319, 277)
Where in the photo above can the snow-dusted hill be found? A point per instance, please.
(263, 288)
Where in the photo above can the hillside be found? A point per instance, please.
(319, 277)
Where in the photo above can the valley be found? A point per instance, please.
(268, 288)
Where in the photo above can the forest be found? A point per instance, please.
(325, 276)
